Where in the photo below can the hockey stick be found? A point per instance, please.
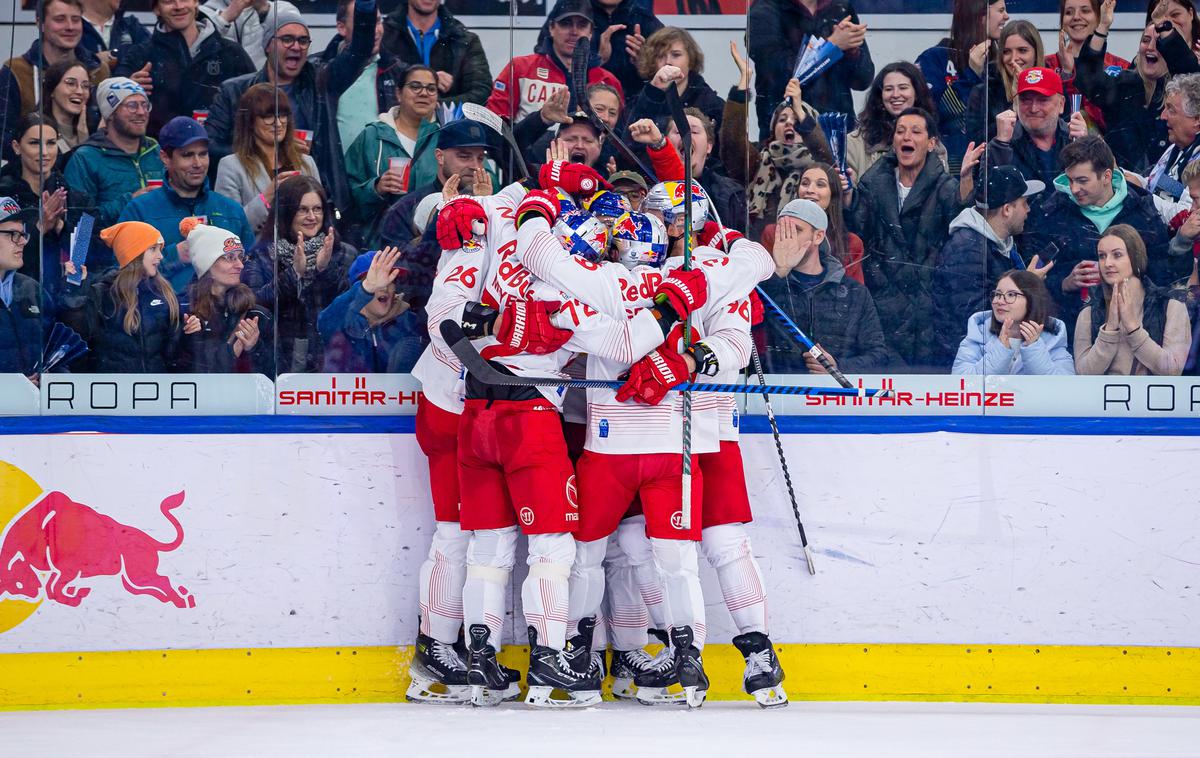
(476, 112)
(787, 477)
(817, 353)
(580, 59)
(475, 365)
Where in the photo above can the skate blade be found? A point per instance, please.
(543, 697)
(496, 697)
(482, 697)
(771, 697)
(437, 693)
(624, 689)
(660, 696)
(695, 696)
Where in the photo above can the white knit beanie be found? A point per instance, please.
(208, 243)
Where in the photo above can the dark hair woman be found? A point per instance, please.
(897, 86)
(66, 90)
(1077, 20)
(1018, 335)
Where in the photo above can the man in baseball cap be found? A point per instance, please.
(1032, 134)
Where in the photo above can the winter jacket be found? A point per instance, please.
(235, 182)
(968, 267)
(1133, 129)
(18, 92)
(55, 246)
(126, 30)
(396, 227)
(164, 208)
(209, 351)
(838, 313)
(987, 100)
(901, 248)
(352, 345)
(1160, 347)
(295, 303)
(652, 103)
(185, 79)
(1025, 156)
(315, 93)
(1061, 232)
(631, 14)
(775, 33)
(24, 325)
(457, 51)
(982, 352)
(246, 30)
(951, 91)
(152, 349)
(369, 156)
(108, 177)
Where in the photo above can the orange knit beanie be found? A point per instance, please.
(129, 239)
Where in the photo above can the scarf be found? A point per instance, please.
(285, 253)
(780, 167)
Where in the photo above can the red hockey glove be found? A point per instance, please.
(525, 327)
(652, 376)
(682, 291)
(756, 309)
(459, 221)
(574, 178)
(720, 237)
(539, 204)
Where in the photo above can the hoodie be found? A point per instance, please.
(1100, 215)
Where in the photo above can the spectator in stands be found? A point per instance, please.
(1132, 99)
(297, 267)
(1180, 13)
(380, 163)
(902, 208)
(775, 33)
(65, 93)
(1088, 198)
(955, 66)
(728, 196)
(621, 28)
(230, 337)
(241, 21)
(1185, 226)
(1020, 49)
(425, 32)
(981, 247)
(525, 83)
(24, 312)
(265, 152)
(632, 185)
(60, 29)
(370, 328)
(461, 149)
(1181, 112)
(897, 86)
(671, 58)
(131, 316)
(835, 311)
(1132, 327)
(823, 184)
(1018, 335)
(1032, 137)
(314, 98)
(1077, 19)
(535, 132)
(184, 63)
(108, 28)
(184, 145)
(374, 91)
(117, 163)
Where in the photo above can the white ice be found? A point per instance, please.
(828, 730)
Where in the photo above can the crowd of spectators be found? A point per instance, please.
(1010, 200)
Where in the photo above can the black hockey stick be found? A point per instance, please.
(476, 112)
(475, 364)
(580, 61)
(817, 353)
(787, 476)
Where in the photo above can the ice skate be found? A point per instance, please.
(654, 675)
(579, 648)
(493, 697)
(486, 677)
(553, 670)
(438, 674)
(689, 668)
(764, 676)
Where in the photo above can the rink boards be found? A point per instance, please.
(1031, 561)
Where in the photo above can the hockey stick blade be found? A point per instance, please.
(475, 364)
(476, 112)
(580, 60)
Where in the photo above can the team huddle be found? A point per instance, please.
(570, 280)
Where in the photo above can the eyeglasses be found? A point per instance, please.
(273, 120)
(84, 86)
(133, 106)
(232, 258)
(417, 88)
(1008, 297)
(291, 40)
(316, 210)
(17, 236)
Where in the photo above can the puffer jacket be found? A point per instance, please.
(901, 247)
(353, 345)
(982, 352)
(209, 351)
(152, 349)
(457, 51)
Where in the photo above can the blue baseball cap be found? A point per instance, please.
(181, 131)
(463, 133)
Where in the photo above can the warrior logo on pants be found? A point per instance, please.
(526, 516)
(677, 520)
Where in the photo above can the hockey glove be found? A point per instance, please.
(538, 204)
(706, 360)
(573, 178)
(652, 376)
(682, 291)
(720, 237)
(525, 327)
(459, 221)
(756, 309)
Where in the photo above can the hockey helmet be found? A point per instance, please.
(582, 234)
(668, 199)
(640, 240)
(607, 206)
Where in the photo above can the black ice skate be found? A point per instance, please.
(764, 676)
(551, 670)
(485, 675)
(652, 676)
(438, 674)
(512, 692)
(689, 668)
(579, 647)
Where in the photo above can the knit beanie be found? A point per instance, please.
(129, 239)
(113, 91)
(208, 243)
(276, 19)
